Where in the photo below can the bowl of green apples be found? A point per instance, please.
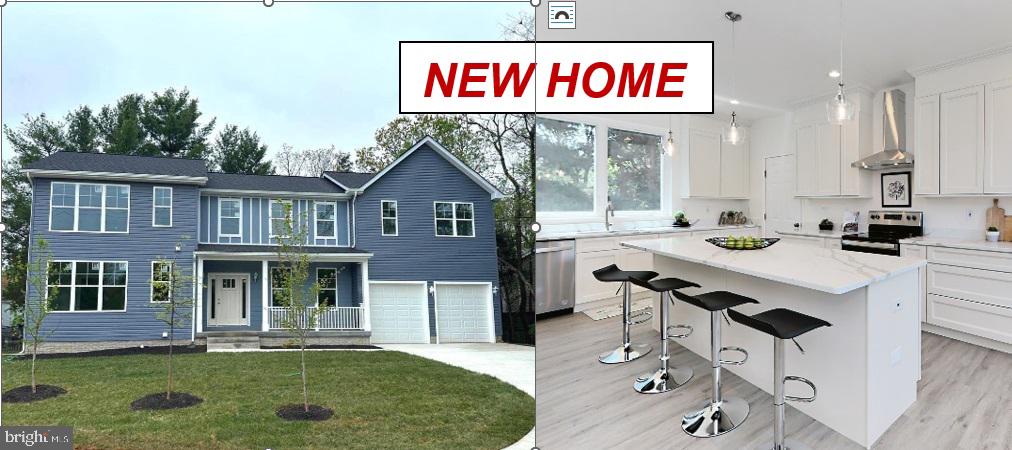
(742, 242)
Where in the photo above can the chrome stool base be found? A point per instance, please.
(621, 355)
(657, 383)
(789, 444)
(716, 419)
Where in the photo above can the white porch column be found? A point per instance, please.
(265, 297)
(199, 283)
(366, 325)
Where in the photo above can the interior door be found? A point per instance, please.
(782, 208)
(230, 300)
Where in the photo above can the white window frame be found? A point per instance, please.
(77, 207)
(101, 287)
(664, 210)
(396, 218)
(435, 220)
(151, 293)
(337, 301)
(291, 216)
(316, 220)
(236, 199)
(155, 206)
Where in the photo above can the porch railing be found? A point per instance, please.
(330, 317)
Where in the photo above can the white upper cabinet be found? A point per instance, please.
(828, 159)
(734, 171)
(704, 163)
(961, 141)
(998, 151)
(926, 145)
(711, 168)
(824, 153)
(805, 151)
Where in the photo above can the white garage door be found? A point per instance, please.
(462, 312)
(399, 313)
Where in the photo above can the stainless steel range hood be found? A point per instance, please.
(894, 139)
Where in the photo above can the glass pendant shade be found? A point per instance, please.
(669, 145)
(733, 133)
(839, 109)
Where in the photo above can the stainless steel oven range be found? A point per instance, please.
(885, 229)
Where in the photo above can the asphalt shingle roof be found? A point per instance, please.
(236, 248)
(103, 162)
(353, 180)
(280, 183)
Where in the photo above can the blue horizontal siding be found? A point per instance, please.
(142, 245)
(416, 253)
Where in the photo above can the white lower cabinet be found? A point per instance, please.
(812, 241)
(919, 252)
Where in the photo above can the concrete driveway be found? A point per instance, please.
(513, 364)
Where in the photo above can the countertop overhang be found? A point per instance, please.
(636, 231)
(822, 269)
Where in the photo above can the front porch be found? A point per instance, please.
(236, 293)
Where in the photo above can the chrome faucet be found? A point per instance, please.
(610, 210)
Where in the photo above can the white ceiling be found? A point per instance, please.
(786, 48)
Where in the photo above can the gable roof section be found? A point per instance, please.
(442, 151)
(120, 167)
(349, 180)
(270, 183)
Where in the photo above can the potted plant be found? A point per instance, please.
(826, 225)
(680, 219)
(992, 234)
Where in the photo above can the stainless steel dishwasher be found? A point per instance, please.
(554, 277)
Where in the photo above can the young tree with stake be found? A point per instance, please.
(170, 293)
(41, 271)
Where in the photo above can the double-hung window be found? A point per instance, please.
(230, 217)
(161, 213)
(454, 219)
(281, 211)
(161, 281)
(103, 208)
(388, 217)
(327, 279)
(326, 220)
(566, 173)
(634, 170)
(88, 285)
(279, 292)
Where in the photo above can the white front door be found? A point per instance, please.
(464, 312)
(229, 300)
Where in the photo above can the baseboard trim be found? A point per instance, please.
(968, 338)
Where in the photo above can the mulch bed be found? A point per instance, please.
(24, 394)
(298, 412)
(155, 350)
(323, 346)
(158, 401)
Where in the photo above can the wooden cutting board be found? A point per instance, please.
(1007, 236)
(995, 217)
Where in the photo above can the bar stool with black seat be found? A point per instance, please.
(782, 324)
(720, 414)
(666, 378)
(628, 351)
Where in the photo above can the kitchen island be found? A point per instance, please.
(865, 366)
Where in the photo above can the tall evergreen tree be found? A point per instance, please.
(240, 151)
(172, 120)
(82, 130)
(120, 127)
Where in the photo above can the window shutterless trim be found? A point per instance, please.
(239, 234)
(396, 219)
(271, 218)
(316, 220)
(77, 207)
(155, 206)
(101, 286)
(151, 293)
(454, 219)
(336, 300)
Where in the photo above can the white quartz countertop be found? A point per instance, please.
(957, 242)
(822, 269)
(634, 232)
(834, 234)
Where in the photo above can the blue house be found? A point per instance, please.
(406, 255)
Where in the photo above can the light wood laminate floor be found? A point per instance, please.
(964, 398)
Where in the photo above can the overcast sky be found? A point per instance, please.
(306, 74)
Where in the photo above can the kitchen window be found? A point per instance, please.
(279, 293)
(326, 220)
(565, 166)
(388, 217)
(101, 208)
(278, 217)
(161, 281)
(454, 219)
(634, 170)
(88, 285)
(327, 279)
(161, 214)
(229, 217)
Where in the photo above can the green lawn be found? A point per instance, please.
(380, 399)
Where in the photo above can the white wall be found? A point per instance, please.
(957, 216)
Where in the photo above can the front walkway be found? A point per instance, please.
(513, 364)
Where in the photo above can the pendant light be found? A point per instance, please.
(840, 109)
(733, 133)
(669, 145)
